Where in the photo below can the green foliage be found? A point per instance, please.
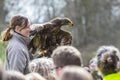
(2, 51)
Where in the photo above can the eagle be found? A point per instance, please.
(49, 35)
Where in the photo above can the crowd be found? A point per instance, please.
(65, 62)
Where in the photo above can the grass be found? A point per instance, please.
(2, 51)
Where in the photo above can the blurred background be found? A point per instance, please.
(96, 22)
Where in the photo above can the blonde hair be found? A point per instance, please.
(17, 20)
(43, 66)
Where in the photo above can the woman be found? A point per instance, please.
(17, 55)
(108, 59)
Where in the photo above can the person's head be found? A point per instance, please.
(19, 24)
(108, 59)
(93, 69)
(66, 55)
(14, 75)
(93, 65)
(34, 76)
(44, 66)
(75, 73)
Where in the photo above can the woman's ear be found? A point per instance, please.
(17, 28)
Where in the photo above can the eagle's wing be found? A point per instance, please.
(35, 28)
(60, 39)
(34, 43)
(38, 35)
(57, 36)
(64, 38)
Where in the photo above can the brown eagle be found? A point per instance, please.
(49, 35)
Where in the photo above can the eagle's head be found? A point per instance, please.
(66, 21)
(59, 22)
(62, 21)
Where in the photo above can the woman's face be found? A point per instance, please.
(24, 31)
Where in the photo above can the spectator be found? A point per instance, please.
(66, 55)
(93, 69)
(44, 66)
(75, 73)
(108, 59)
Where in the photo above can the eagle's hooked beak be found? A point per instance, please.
(70, 24)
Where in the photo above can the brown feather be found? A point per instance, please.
(51, 36)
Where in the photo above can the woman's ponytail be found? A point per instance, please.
(6, 34)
